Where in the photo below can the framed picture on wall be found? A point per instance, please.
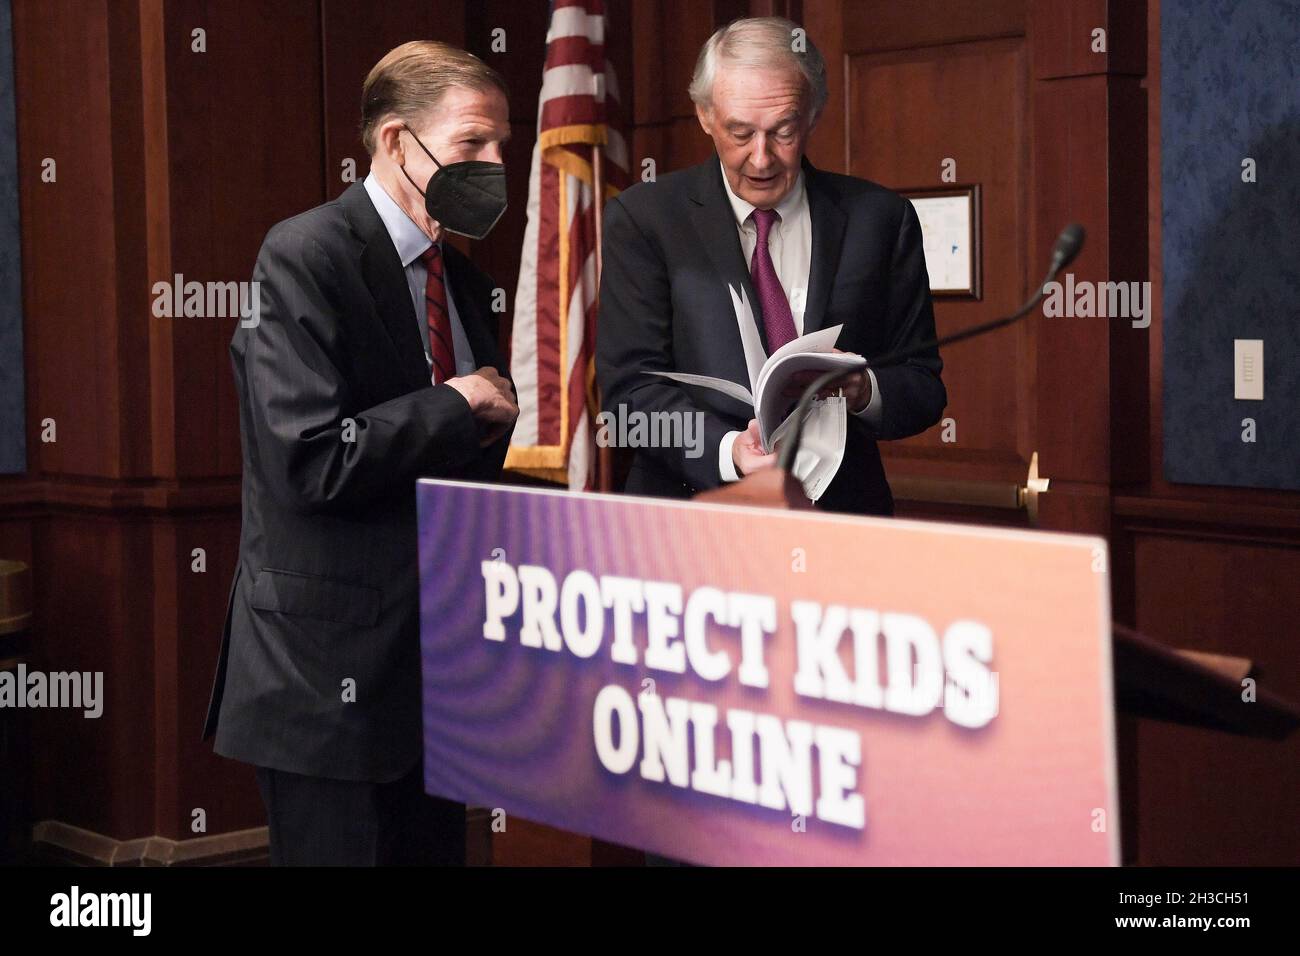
(950, 230)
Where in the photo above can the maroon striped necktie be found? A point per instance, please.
(435, 307)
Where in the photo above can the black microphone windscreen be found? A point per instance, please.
(1068, 245)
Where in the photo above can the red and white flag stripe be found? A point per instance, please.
(553, 342)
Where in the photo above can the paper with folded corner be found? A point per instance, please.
(769, 378)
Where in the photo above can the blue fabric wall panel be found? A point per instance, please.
(1229, 91)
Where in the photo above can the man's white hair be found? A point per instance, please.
(761, 43)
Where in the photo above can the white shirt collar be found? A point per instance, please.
(786, 208)
(408, 238)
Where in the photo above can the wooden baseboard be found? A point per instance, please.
(55, 842)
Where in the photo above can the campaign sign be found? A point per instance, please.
(741, 686)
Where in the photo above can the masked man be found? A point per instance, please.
(372, 361)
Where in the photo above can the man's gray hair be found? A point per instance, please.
(761, 43)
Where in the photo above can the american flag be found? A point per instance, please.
(553, 342)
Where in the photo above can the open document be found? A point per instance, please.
(825, 428)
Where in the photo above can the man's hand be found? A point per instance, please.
(856, 387)
(747, 451)
(491, 401)
(857, 391)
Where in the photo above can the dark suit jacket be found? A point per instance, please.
(670, 251)
(326, 586)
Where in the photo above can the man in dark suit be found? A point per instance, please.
(810, 249)
(373, 362)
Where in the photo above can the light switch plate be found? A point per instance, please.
(1248, 369)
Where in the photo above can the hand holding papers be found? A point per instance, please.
(826, 427)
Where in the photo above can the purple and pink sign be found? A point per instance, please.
(732, 685)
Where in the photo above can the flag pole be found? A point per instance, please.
(604, 456)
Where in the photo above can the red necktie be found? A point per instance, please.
(778, 322)
(435, 305)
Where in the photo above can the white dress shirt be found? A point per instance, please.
(411, 242)
(789, 242)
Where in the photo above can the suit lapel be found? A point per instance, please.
(828, 222)
(382, 270)
(715, 222)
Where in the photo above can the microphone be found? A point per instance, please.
(1067, 247)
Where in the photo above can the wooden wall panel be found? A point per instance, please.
(1068, 44)
(894, 140)
(73, 346)
(226, 790)
(244, 143)
(1085, 114)
(354, 35)
(824, 22)
(92, 614)
(1070, 156)
(876, 25)
(1208, 798)
(675, 144)
(669, 36)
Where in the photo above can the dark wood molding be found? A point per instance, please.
(68, 493)
(55, 842)
(1209, 515)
